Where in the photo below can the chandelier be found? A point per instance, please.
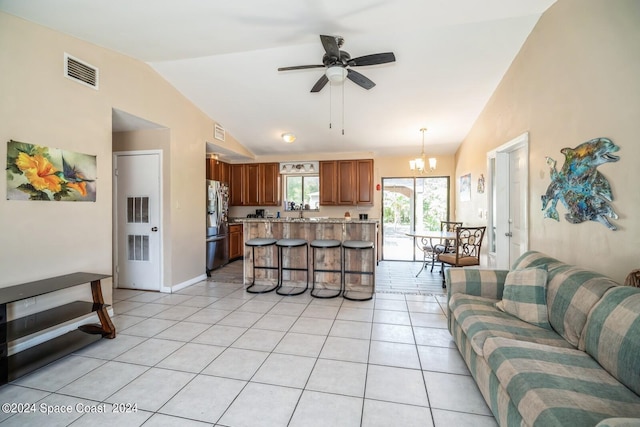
(419, 163)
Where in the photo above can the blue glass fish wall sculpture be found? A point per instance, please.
(581, 188)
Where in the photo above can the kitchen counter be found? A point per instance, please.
(310, 229)
(312, 220)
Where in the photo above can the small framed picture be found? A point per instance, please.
(481, 184)
(465, 188)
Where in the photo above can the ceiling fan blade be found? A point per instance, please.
(299, 67)
(376, 58)
(322, 81)
(330, 45)
(359, 79)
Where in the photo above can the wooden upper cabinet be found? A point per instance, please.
(236, 184)
(269, 194)
(328, 183)
(252, 184)
(346, 182)
(364, 179)
(217, 170)
(207, 173)
(223, 174)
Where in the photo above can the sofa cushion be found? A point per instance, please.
(525, 296)
(535, 259)
(571, 293)
(612, 334)
(554, 386)
(479, 319)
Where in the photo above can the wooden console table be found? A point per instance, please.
(20, 363)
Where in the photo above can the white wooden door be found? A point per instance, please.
(517, 197)
(508, 205)
(137, 218)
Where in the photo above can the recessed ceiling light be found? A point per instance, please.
(288, 137)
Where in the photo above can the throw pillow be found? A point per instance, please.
(525, 296)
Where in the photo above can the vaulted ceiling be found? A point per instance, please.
(224, 56)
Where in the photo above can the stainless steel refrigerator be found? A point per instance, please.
(217, 225)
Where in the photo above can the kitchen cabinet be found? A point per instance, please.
(346, 182)
(236, 244)
(347, 185)
(252, 184)
(236, 184)
(223, 172)
(364, 182)
(269, 184)
(255, 184)
(217, 170)
(328, 183)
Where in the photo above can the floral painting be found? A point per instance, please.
(35, 172)
(583, 190)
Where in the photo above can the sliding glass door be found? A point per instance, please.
(410, 204)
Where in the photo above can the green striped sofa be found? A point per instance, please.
(584, 371)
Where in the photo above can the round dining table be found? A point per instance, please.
(427, 245)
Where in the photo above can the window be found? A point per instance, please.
(301, 192)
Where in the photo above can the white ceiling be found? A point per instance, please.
(224, 55)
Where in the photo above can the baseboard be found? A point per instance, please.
(180, 286)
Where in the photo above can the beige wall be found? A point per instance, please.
(576, 78)
(40, 106)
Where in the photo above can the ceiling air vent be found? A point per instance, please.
(80, 71)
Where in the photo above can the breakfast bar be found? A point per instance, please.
(298, 265)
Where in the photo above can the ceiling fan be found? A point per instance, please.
(336, 62)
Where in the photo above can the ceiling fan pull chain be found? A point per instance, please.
(343, 109)
(330, 102)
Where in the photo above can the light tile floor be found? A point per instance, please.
(213, 354)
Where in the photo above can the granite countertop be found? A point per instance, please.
(309, 220)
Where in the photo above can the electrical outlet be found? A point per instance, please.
(28, 302)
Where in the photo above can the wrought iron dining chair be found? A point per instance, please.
(449, 245)
(467, 253)
(430, 251)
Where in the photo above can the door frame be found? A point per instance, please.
(114, 214)
(499, 199)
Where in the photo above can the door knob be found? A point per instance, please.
(154, 228)
(509, 234)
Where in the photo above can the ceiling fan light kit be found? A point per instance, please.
(336, 74)
(288, 137)
(419, 163)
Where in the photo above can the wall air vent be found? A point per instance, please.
(218, 132)
(81, 72)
